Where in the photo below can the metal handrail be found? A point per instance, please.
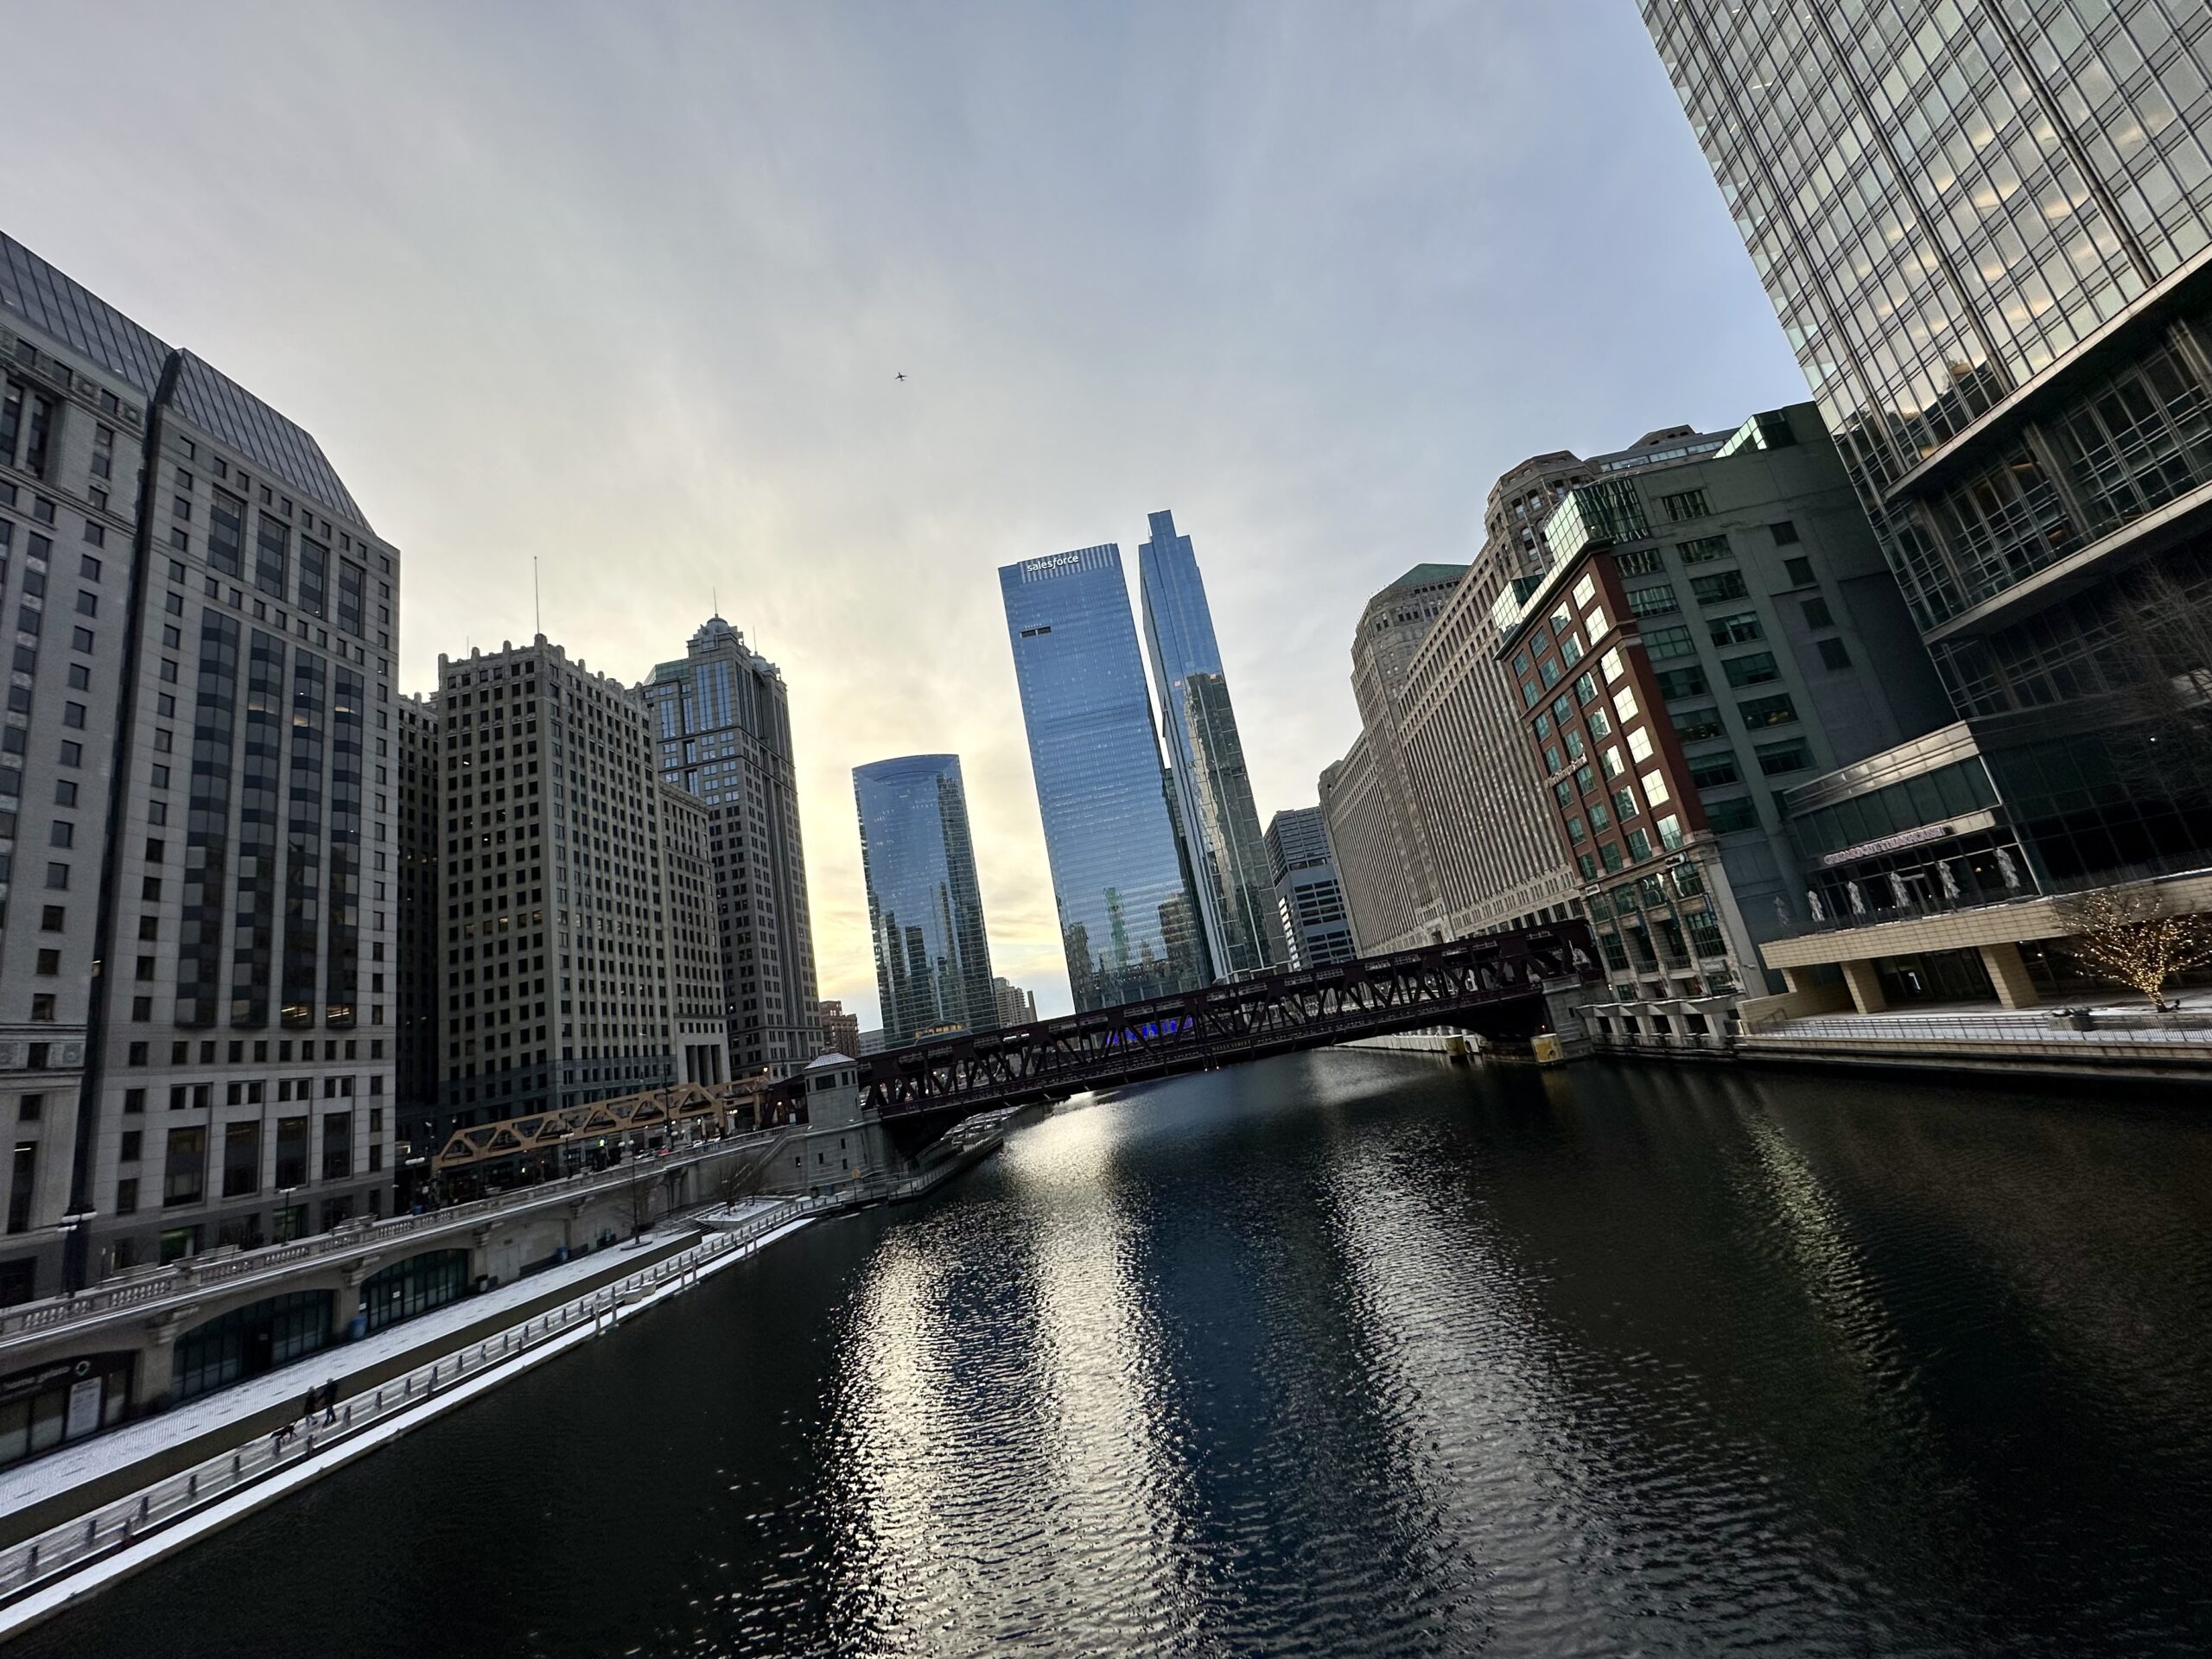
(197, 1273)
(73, 1543)
(2039, 1027)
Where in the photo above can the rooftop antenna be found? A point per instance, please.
(536, 610)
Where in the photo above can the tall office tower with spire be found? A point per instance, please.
(1987, 227)
(924, 911)
(197, 892)
(722, 719)
(1205, 758)
(1128, 924)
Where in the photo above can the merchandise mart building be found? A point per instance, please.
(1987, 230)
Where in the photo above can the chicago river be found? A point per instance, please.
(1350, 1353)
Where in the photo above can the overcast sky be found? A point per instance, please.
(624, 287)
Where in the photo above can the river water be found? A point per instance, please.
(1347, 1354)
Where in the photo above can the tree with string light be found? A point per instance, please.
(2135, 935)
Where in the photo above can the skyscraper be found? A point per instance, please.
(1016, 1006)
(420, 826)
(1127, 922)
(1206, 758)
(193, 790)
(841, 1031)
(722, 719)
(924, 911)
(1308, 896)
(1987, 230)
(575, 962)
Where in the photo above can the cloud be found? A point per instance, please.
(624, 290)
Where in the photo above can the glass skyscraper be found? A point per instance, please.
(1206, 758)
(932, 962)
(1987, 227)
(1127, 920)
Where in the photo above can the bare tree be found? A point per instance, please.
(2135, 935)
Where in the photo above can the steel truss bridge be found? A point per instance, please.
(1493, 985)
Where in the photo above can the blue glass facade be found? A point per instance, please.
(1127, 920)
(932, 960)
(1206, 758)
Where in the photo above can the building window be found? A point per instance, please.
(1704, 550)
(1767, 711)
(1712, 770)
(1735, 628)
(1719, 585)
(184, 1172)
(1681, 682)
(1834, 655)
(1758, 669)
(1700, 724)
(1652, 601)
(1724, 817)
(1686, 504)
(1785, 533)
(1777, 758)
(1800, 572)
(1816, 613)
(1634, 562)
(1659, 644)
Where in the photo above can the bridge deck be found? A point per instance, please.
(1495, 983)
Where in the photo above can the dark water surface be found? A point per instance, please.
(1349, 1354)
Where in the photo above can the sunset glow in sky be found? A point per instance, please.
(626, 289)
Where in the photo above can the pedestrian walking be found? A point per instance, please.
(329, 1403)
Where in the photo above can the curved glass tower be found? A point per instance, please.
(932, 962)
(1206, 758)
(1127, 920)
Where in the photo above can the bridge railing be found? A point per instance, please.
(74, 1544)
(1373, 996)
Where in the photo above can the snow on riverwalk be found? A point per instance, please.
(83, 1556)
(73, 1465)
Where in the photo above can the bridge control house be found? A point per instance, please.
(1707, 634)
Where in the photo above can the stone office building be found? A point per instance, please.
(196, 788)
(559, 928)
(419, 828)
(1384, 861)
(1709, 632)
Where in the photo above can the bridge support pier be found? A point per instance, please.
(1561, 998)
